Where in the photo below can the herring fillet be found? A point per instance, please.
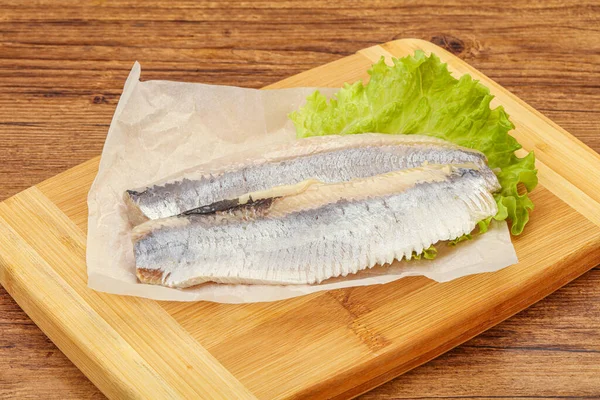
(283, 169)
(328, 230)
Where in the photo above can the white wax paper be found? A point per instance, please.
(162, 127)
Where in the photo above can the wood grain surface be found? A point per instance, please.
(63, 64)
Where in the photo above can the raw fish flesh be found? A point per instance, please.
(334, 225)
(283, 170)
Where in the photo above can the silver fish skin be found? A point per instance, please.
(326, 231)
(280, 170)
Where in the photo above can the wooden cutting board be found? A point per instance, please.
(329, 344)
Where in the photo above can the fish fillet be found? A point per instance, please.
(284, 169)
(324, 231)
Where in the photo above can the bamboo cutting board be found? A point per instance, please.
(329, 344)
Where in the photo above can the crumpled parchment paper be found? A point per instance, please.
(161, 127)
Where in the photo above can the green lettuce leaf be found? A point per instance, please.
(482, 227)
(429, 253)
(418, 95)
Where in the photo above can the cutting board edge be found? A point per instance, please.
(574, 258)
(103, 313)
(112, 384)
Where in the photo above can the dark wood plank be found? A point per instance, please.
(63, 64)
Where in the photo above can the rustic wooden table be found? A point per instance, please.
(63, 64)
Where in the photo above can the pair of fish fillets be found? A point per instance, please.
(307, 211)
